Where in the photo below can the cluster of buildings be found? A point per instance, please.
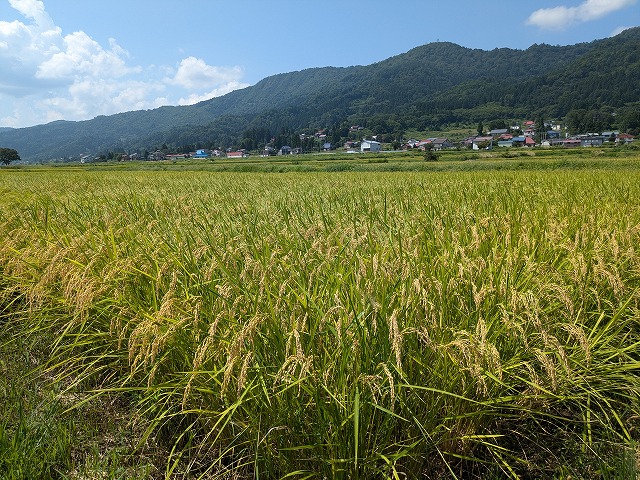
(201, 153)
(436, 144)
(525, 136)
(551, 136)
(590, 140)
(160, 155)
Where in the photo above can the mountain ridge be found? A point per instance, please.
(430, 85)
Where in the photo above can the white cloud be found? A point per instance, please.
(47, 75)
(90, 97)
(216, 92)
(84, 57)
(618, 31)
(558, 18)
(194, 73)
(32, 9)
(24, 46)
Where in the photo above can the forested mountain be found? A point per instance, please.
(428, 87)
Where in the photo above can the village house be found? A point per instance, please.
(441, 143)
(432, 143)
(422, 144)
(521, 141)
(524, 141)
(157, 155)
(477, 141)
(201, 154)
(624, 138)
(287, 150)
(370, 146)
(592, 140)
(498, 132)
(268, 151)
(570, 142)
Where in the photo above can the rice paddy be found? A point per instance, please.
(481, 324)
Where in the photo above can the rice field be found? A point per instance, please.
(340, 325)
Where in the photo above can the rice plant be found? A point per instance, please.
(343, 325)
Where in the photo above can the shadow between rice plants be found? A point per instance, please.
(35, 438)
(40, 438)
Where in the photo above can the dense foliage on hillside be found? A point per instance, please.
(593, 84)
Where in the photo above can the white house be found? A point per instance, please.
(370, 146)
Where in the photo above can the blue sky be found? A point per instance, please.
(74, 60)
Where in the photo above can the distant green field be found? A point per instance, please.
(474, 318)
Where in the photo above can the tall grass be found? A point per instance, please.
(344, 325)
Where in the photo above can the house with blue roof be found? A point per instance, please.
(201, 154)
